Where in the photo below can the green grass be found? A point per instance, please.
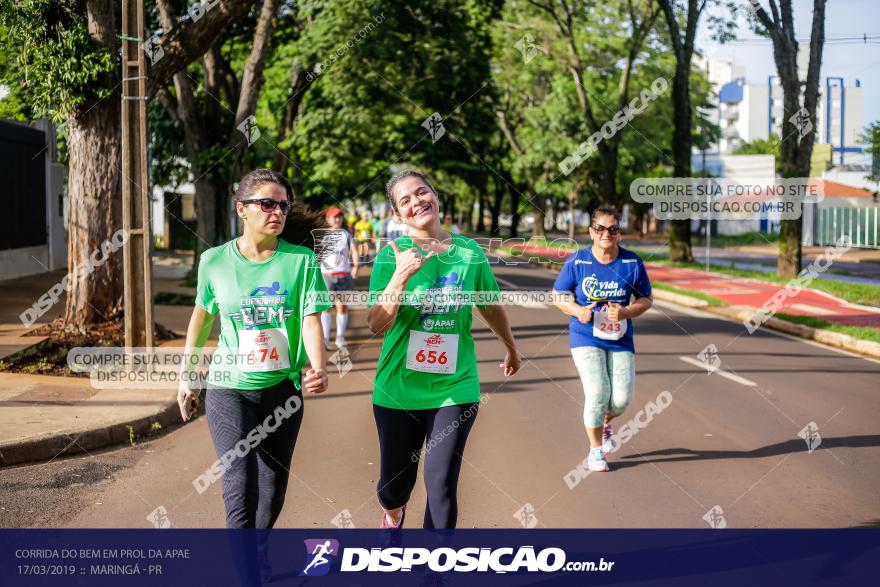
(735, 240)
(862, 332)
(711, 300)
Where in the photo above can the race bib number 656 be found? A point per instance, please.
(432, 353)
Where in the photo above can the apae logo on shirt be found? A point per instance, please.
(432, 323)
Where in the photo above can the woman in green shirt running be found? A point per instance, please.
(267, 293)
(427, 390)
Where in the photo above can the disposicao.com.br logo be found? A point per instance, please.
(323, 552)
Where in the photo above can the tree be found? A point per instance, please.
(68, 51)
(682, 40)
(799, 107)
(590, 37)
(210, 117)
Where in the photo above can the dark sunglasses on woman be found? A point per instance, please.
(612, 230)
(268, 205)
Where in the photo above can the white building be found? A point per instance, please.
(751, 110)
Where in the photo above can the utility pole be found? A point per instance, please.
(137, 268)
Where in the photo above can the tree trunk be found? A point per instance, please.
(538, 227)
(514, 212)
(94, 146)
(481, 204)
(95, 212)
(680, 230)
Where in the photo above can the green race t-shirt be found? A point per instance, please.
(261, 306)
(428, 358)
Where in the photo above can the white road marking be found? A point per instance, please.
(509, 285)
(721, 372)
(699, 314)
(813, 309)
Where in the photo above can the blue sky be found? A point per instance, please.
(850, 60)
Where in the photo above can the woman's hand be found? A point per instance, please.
(315, 381)
(409, 261)
(585, 315)
(511, 362)
(617, 312)
(187, 400)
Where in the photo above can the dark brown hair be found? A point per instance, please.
(256, 179)
(300, 222)
(400, 176)
(605, 210)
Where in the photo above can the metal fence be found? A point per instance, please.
(862, 225)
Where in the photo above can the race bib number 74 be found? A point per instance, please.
(263, 350)
(432, 353)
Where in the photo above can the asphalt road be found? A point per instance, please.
(727, 439)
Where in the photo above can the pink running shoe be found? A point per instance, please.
(388, 525)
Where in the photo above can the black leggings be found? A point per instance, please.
(402, 433)
(255, 480)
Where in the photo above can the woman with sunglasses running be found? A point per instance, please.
(267, 293)
(595, 287)
(427, 389)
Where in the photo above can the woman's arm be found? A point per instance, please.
(355, 258)
(567, 305)
(634, 310)
(496, 317)
(381, 314)
(315, 379)
(197, 333)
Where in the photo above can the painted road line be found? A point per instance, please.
(721, 372)
(527, 304)
(701, 314)
(808, 309)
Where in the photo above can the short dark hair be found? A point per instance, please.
(605, 210)
(257, 178)
(400, 176)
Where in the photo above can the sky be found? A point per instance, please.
(847, 59)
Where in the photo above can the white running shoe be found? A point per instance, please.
(340, 342)
(607, 441)
(596, 461)
(327, 344)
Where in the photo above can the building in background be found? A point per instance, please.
(751, 110)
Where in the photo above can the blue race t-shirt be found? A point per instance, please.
(591, 281)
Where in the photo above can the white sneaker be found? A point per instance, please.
(340, 342)
(327, 344)
(596, 460)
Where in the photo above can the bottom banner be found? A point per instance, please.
(421, 557)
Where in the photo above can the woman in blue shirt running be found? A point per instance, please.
(603, 288)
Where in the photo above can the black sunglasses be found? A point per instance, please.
(268, 205)
(612, 230)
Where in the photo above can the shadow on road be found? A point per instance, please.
(780, 448)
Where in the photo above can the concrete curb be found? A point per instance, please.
(56, 444)
(742, 313)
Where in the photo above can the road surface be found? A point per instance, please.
(728, 442)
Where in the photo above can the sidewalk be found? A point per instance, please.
(43, 417)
